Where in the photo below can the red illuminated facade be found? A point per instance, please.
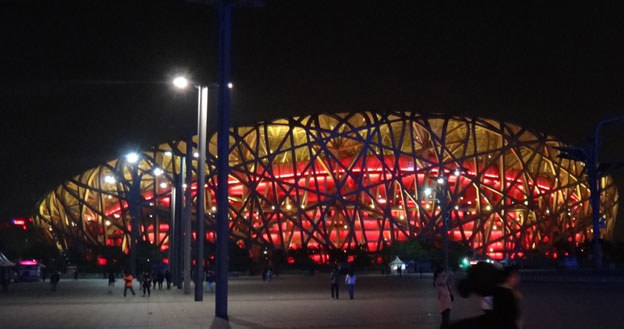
(352, 180)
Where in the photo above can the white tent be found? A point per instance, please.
(396, 264)
(5, 262)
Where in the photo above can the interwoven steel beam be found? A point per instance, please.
(356, 180)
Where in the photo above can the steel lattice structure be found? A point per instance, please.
(354, 180)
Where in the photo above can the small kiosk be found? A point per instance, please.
(397, 266)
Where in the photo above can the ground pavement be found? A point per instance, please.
(298, 302)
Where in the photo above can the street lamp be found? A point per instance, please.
(595, 171)
(202, 113)
(132, 157)
(181, 82)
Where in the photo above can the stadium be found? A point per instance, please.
(348, 180)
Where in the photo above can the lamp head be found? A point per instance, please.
(180, 82)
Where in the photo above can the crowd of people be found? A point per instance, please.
(148, 282)
(497, 286)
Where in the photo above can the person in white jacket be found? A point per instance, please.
(350, 281)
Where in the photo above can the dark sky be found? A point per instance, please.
(82, 82)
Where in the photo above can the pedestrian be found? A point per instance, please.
(334, 279)
(264, 275)
(168, 279)
(270, 274)
(4, 279)
(441, 281)
(350, 282)
(111, 282)
(210, 278)
(400, 270)
(505, 312)
(76, 274)
(154, 279)
(160, 278)
(54, 279)
(147, 283)
(128, 278)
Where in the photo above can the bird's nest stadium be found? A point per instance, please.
(341, 181)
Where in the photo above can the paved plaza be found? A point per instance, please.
(292, 301)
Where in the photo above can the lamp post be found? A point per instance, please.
(202, 113)
(442, 199)
(223, 165)
(595, 171)
(134, 200)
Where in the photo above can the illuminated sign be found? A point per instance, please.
(19, 221)
(28, 262)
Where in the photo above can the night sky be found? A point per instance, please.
(82, 82)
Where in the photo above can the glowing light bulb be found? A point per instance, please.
(132, 157)
(110, 179)
(180, 82)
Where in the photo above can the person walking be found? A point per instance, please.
(4, 279)
(334, 279)
(270, 274)
(54, 279)
(111, 282)
(160, 278)
(441, 281)
(505, 312)
(76, 274)
(128, 278)
(168, 279)
(350, 282)
(210, 278)
(147, 283)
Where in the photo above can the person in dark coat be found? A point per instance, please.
(168, 279)
(4, 279)
(111, 282)
(505, 313)
(334, 279)
(147, 283)
(160, 277)
(54, 279)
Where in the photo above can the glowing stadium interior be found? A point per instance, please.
(351, 179)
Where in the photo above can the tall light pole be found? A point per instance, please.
(442, 199)
(202, 114)
(223, 165)
(134, 203)
(595, 171)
